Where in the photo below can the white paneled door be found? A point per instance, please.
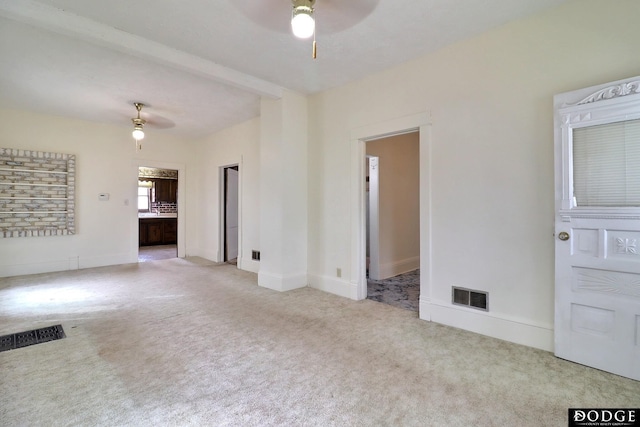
(597, 231)
(598, 294)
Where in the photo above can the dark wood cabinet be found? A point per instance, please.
(158, 231)
(169, 231)
(166, 190)
(154, 233)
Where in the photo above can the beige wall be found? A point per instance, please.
(399, 208)
(106, 162)
(491, 159)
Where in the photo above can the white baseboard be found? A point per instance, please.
(391, 269)
(210, 255)
(103, 261)
(279, 282)
(70, 263)
(33, 268)
(334, 285)
(496, 326)
(249, 265)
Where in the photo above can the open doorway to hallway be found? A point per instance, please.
(392, 199)
(230, 213)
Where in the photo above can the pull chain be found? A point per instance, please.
(313, 55)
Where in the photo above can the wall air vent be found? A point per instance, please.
(470, 298)
(255, 255)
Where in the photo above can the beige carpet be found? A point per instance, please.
(157, 252)
(188, 342)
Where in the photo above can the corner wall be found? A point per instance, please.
(240, 145)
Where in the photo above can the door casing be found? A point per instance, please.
(417, 122)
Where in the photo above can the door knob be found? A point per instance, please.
(563, 235)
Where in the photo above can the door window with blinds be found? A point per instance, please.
(606, 165)
(598, 151)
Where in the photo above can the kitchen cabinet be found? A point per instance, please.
(166, 190)
(169, 231)
(157, 231)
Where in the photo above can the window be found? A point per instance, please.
(606, 165)
(597, 134)
(144, 196)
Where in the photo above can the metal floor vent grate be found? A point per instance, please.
(36, 336)
(470, 298)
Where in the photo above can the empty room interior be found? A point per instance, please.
(420, 214)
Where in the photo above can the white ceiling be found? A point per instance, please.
(204, 67)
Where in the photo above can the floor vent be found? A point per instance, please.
(36, 336)
(255, 255)
(470, 298)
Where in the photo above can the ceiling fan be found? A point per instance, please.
(300, 16)
(153, 120)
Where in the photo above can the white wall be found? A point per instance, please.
(106, 159)
(490, 101)
(283, 192)
(399, 209)
(236, 145)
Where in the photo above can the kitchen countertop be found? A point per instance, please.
(154, 215)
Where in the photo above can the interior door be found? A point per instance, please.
(598, 293)
(231, 214)
(597, 231)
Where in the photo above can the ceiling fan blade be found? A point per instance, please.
(332, 16)
(274, 15)
(158, 122)
(152, 119)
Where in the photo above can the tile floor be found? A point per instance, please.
(401, 291)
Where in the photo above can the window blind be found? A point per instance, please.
(606, 165)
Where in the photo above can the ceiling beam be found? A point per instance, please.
(62, 22)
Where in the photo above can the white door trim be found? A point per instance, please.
(359, 136)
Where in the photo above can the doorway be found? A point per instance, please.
(230, 217)
(159, 211)
(394, 220)
(414, 123)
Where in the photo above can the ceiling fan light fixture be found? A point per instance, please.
(137, 133)
(138, 123)
(302, 23)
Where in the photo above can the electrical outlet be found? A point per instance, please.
(339, 272)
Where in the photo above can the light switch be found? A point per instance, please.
(103, 197)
